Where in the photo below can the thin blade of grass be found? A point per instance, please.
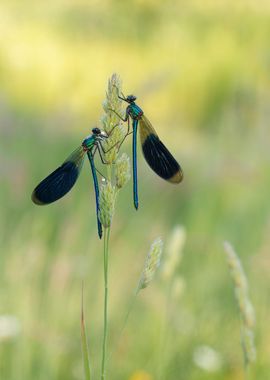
(85, 351)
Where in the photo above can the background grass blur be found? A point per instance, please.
(200, 70)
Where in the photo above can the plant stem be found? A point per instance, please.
(163, 338)
(85, 351)
(130, 308)
(105, 328)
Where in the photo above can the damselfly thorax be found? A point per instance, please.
(134, 111)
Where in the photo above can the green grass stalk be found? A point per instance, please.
(85, 351)
(106, 293)
(117, 176)
(172, 259)
(246, 310)
(151, 265)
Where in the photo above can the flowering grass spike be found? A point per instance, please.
(245, 306)
(151, 264)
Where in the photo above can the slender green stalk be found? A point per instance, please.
(130, 308)
(151, 264)
(246, 311)
(169, 273)
(105, 326)
(117, 176)
(166, 334)
(85, 351)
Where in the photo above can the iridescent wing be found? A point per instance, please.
(60, 181)
(157, 155)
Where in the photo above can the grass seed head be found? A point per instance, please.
(111, 122)
(112, 103)
(122, 171)
(174, 251)
(107, 198)
(245, 306)
(151, 264)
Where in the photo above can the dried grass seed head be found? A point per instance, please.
(151, 264)
(174, 251)
(107, 199)
(122, 171)
(245, 306)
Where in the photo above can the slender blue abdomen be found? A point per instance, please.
(134, 157)
(94, 173)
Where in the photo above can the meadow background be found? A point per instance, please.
(200, 70)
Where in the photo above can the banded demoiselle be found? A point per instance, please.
(61, 180)
(155, 152)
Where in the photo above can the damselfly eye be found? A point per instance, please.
(96, 131)
(131, 98)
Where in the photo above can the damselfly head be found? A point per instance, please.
(130, 98)
(96, 131)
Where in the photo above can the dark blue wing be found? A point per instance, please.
(59, 182)
(157, 155)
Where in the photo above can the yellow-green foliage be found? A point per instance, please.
(200, 70)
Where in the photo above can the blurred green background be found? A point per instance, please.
(200, 70)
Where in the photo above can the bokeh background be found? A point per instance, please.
(200, 70)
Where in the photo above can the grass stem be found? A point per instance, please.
(105, 328)
(85, 351)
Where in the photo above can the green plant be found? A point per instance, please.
(246, 310)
